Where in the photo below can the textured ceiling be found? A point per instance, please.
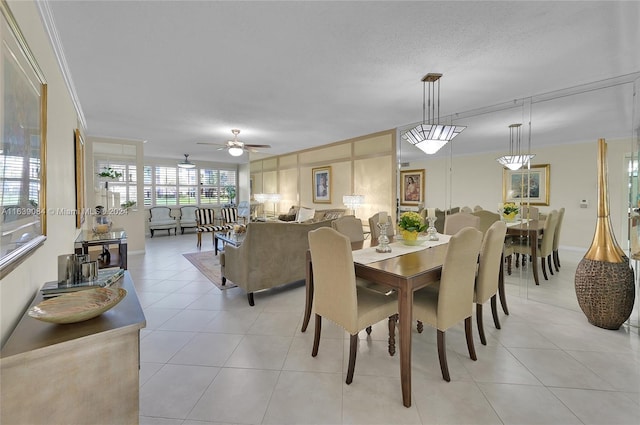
(301, 74)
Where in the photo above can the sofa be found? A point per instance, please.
(318, 215)
(271, 254)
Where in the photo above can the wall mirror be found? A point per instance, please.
(23, 151)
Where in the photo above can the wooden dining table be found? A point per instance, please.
(405, 273)
(533, 229)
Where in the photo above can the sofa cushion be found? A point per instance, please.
(305, 214)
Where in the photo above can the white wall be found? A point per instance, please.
(18, 288)
(477, 180)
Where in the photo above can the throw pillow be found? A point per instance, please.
(305, 214)
(287, 217)
(332, 215)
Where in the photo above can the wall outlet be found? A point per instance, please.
(584, 203)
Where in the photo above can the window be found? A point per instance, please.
(170, 185)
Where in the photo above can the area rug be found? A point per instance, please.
(207, 263)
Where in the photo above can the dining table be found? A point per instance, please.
(406, 273)
(532, 229)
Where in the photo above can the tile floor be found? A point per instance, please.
(207, 357)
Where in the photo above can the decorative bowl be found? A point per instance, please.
(77, 306)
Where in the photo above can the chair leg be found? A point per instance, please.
(224, 280)
(468, 330)
(549, 263)
(544, 268)
(509, 264)
(199, 239)
(250, 298)
(420, 327)
(151, 230)
(368, 329)
(480, 323)
(494, 311)
(442, 355)
(316, 336)
(517, 260)
(353, 350)
(392, 334)
(557, 257)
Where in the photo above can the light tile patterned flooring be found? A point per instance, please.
(207, 357)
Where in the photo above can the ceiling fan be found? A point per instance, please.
(235, 146)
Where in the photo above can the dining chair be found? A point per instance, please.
(338, 296)
(487, 218)
(373, 226)
(556, 239)
(455, 222)
(545, 245)
(488, 274)
(350, 226)
(529, 212)
(450, 300)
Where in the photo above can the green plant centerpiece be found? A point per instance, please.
(411, 223)
(510, 210)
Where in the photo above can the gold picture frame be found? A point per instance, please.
(24, 128)
(527, 185)
(321, 182)
(412, 187)
(79, 158)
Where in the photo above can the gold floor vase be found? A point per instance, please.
(604, 281)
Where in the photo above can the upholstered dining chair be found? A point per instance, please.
(556, 239)
(350, 226)
(545, 244)
(487, 218)
(339, 298)
(455, 222)
(373, 226)
(450, 300)
(529, 212)
(488, 274)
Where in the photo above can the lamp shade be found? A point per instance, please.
(515, 160)
(353, 201)
(235, 151)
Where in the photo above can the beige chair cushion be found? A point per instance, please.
(336, 295)
(350, 226)
(451, 301)
(490, 262)
(373, 226)
(455, 222)
(487, 218)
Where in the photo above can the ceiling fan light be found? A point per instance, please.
(186, 163)
(235, 151)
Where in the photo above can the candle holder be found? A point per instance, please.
(383, 239)
(432, 233)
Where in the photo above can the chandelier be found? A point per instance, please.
(515, 160)
(430, 136)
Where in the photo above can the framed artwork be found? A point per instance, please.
(23, 125)
(321, 178)
(411, 187)
(526, 185)
(79, 151)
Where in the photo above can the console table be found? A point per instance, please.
(80, 373)
(87, 238)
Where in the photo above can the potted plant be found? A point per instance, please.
(231, 192)
(109, 174)
(411, 223)
(509, 211)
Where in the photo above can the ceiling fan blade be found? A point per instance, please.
(210, 143)
(257, 146)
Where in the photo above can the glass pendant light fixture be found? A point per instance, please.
(430, 136)
(515, 160)
(186, 163)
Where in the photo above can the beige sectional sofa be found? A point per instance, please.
(271, 254)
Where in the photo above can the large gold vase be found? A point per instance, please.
(604, 281)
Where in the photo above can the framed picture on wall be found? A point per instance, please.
(526, 185)
(411, 187)
(321, 178)
(79, 151)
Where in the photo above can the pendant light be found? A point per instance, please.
(515, 160)
(430, 136)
